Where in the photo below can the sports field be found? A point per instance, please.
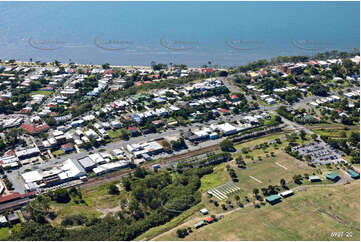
(313, 214)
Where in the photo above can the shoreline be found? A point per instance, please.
(79, 65)
(149, 67)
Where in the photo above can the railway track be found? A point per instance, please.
(118, 175)
(94, 181)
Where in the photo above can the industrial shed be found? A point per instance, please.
(333, 176)
(199, 224)
(287, 193)
(353, 174)
(314, 178)
(273, 199)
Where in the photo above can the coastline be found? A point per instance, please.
(80, 65)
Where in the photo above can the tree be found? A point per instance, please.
(314, 136)
(303, 134)
(181, 233)
(61, 196)
(283, 182)
(106, 66)
(354, 138)
(113, 189)
(256, 191)
(126, 183)
(278, 119)
(227, 145)
(51, 121)
(140, 172)
(297, 179)
(232, 173)
(223, 73)
(343, 134)
(124, 135)
(318, 89)
(166, 145)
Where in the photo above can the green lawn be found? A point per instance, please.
(114, 133)
(180, 219)
(269, 170)
(334, 133)
(309, 215)
(46, 93)
(218, 177)
(4, 233)
(58, 152)
(96, 200)
(258, 141)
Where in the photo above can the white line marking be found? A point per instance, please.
(255, 179)
(281, 166)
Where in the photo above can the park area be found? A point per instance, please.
(264, 166)
(300, 217)
(97, 203)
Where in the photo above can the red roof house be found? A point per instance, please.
(209, 220)
(33, 128)
(234, 97)
(223, 110)
(207, 70)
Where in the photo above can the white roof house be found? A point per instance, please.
(286, 193)
(226, 128)
(32, 176)
(3, 219)
(11, 161)
(110, 166)
(314, 104)
(97, 158)
(71, 168)
(204, 211)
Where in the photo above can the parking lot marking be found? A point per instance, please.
(255, 179)
(281, 166)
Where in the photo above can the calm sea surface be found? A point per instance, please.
(193, 33)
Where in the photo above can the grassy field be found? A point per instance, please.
(4, 233)
(258, 141)
(58, 152)
(114, 133)
(334, 133)
(214, 179)
(266, 170)
(269, 170)
(97, 203)
(46, 93)
(185, 216)
(309, 215)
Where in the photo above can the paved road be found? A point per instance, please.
(18, 183)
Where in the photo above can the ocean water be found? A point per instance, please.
(193, 33)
